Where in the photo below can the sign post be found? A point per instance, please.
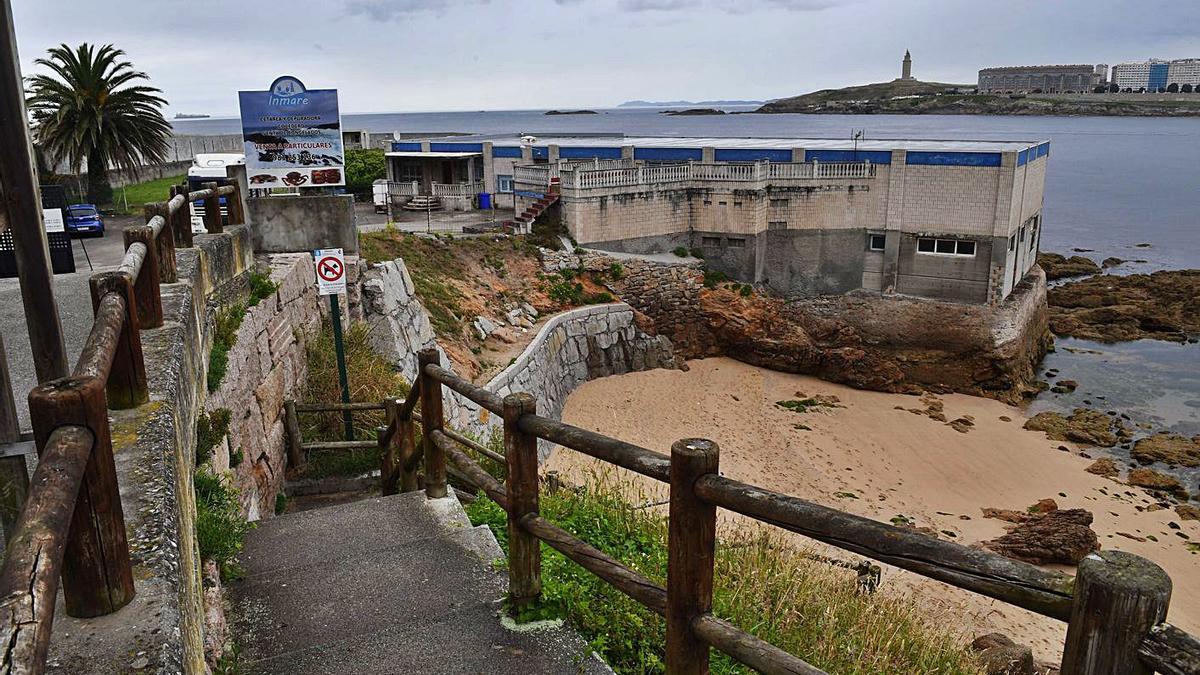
(331, 281)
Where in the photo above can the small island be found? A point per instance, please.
(570, 112)
(692, 111)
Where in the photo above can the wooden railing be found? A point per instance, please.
(1115, 607)
(72, 525)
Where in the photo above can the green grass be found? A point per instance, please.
(225, 326)
(140, 194)
(764, 585)
(220, 527)
(210, 429)
(261, 287)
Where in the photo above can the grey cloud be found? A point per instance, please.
(388, 10)
(728, 6)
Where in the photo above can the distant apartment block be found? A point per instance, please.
(1155, 74)
(1045, 79)
(950, 220)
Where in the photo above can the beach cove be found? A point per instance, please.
(869, 454)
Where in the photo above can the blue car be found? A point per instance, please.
(84, 219)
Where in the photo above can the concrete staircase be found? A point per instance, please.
(396, 584)
(525, 219)
(423, 203)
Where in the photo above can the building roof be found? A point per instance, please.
(774, 143)
(434, 155)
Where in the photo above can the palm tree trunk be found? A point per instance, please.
(99, 191)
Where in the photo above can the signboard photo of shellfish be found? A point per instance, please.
(292, 136)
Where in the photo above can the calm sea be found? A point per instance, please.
(1112, 183)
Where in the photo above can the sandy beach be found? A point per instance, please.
(869, 458)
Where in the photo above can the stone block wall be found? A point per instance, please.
(267, 365)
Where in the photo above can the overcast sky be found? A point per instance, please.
(423, 55)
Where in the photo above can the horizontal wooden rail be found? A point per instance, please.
(1170, 651)
(410, 401)
(478, 394)
(33, 560)
(225, 190)
(750, 650)
(175, 203)
(197, 195)
(336, 407)
(339, 445)
(490, 486)
(98, 350)
(625, 455)
(1018, 583)
(477, 447)
(135, 256)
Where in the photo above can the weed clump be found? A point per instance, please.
(261, 287)
(211, 427)
(220, 527)
(225, 326)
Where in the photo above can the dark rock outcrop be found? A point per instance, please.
(1169, 449)
(1059, 266)
(1158, 482)
(1001, 656)
(1105, 466)
(1059, 536)
(1108, 308)
(1088, 427)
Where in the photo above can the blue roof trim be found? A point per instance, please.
(541, 152)
(506, 151)
(456, 147)
(573, 152)
(953, 158)
(406, 147)
(1023, 156)
(668, 154)
(751, 155)
(872, 156)
(1043, 149)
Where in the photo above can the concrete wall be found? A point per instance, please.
(154, 446)
(291, 223)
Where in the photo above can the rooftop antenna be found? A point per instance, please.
(856, 135)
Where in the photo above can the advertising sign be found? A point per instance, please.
(331, 271)
(53, 219)
(292, 136)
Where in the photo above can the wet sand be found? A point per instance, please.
(871, 459)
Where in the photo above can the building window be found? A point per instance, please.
(875, 242)
(710, 241)
(1012, 243)
(738, 204)
(946, 246)
(735, 243)
(708, 202)
(777, 225)
(779, 203)
(720, 203)
(504, 183)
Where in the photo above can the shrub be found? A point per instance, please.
(364, 167)
(211, 427)
(566, 292)
(261, 287)
(746, 290)
(712, 278)
(598, 298)
(225, 325)
(697, 253)
(680, 251)
(220, 528)
(764, 584)
(616, 271)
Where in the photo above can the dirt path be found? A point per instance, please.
(872, 459)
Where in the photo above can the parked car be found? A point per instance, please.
(84, 219)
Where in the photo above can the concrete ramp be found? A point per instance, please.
(396, 584)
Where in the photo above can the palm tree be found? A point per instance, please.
(92, 107)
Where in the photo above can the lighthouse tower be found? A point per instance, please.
(906, 66)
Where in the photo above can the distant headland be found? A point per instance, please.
(687, 104)
(190, 116)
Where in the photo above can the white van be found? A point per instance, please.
(208, 168)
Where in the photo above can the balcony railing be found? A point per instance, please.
(413, 189)
(589, 175)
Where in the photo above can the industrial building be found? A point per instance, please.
(952, 220)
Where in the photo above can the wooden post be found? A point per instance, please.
(145, 287)
(10, 426)
(237, 216)
(524, 549)
(407, 432)
(432, 420)
(691, 546)
(181, 222)
(21, 208)
(212, 210)
(291, 422)
(1119, 597)
(126, 383)
(164, 242)
(14, 486)
(389, 445)
(97, 577)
